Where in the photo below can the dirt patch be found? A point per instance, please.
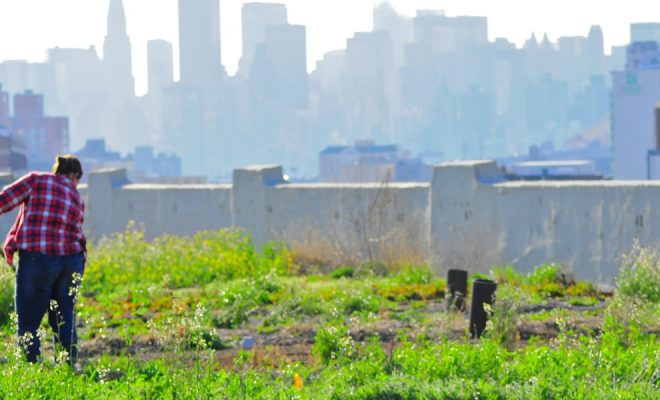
(294, 343)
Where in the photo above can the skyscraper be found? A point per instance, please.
(595, 51)
(160, 69)
(635, 93)
(256, 18)
(117, 58)
(160, 76)
(400, 28)
(199, 42)
(4, 104)
(645, 31)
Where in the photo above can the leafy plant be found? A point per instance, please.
(639, 276)
(343, 272)
(504, 315)
(334, 342)
(506, 275)
(6, 293)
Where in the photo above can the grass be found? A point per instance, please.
(166, 319)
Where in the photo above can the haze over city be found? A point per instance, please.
(333, 91)
(81, 23)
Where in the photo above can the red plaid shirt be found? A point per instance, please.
(51, 216)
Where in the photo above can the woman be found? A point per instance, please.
(51, 246)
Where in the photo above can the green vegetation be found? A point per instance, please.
(169, 319)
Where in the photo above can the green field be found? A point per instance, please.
(175, 319)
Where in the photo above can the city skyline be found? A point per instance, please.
(329, 24)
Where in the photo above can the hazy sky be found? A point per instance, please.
(29, 27)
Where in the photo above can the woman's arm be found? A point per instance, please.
(14, 194)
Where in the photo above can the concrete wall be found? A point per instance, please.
(347, 222)
(479, 220)
(112, 201)
(467, 217)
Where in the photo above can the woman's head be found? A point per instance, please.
(68, 165)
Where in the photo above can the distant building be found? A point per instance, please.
(635, 93)
(441, 33)
(4, 104)
(283, 59)
(156, 165)
(654, 164)
(199, 42)
(80, 91)
(160, 75)
(34, 139)
(13, 156)
(369, 86)
(368, 162)
(12, 152)
(653, 157)
(19, 75)
(118, 67)
(160, 71)
(142, 166)
(256, 18)
(553, 170)
(398, 26)
(645, 32)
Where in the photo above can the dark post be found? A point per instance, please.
(456, 289)
(482, 293)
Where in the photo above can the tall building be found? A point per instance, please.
(441, 33)
(19, 75)
(160, 76)
(256, 18)
(12, 151)
(635, 93)
(4, 104)
(199, 42)
(117, 59)
(284, 51)
(160, 70)
(368, 83)
(645, 32)
(400, 28)
(46, 136)
(81, 91)
(276, 92)
(596, 50)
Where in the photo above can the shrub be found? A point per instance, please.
(543, 275)
(398, 388)
(639, 276)
(343, 272)
(634, 308)
(504, 315)
(507, 275)
(334, 342)
(549, 280)
(412, 283)
(181, 261)
(359, 302)
(6, 294)
(242, 298)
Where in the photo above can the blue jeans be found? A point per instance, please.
(47, 283)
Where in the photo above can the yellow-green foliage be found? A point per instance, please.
(412, 283)
(546, 280)
(6, 293)
(175, 261)
(639, 276)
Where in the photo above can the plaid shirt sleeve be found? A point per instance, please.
(16, 193)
